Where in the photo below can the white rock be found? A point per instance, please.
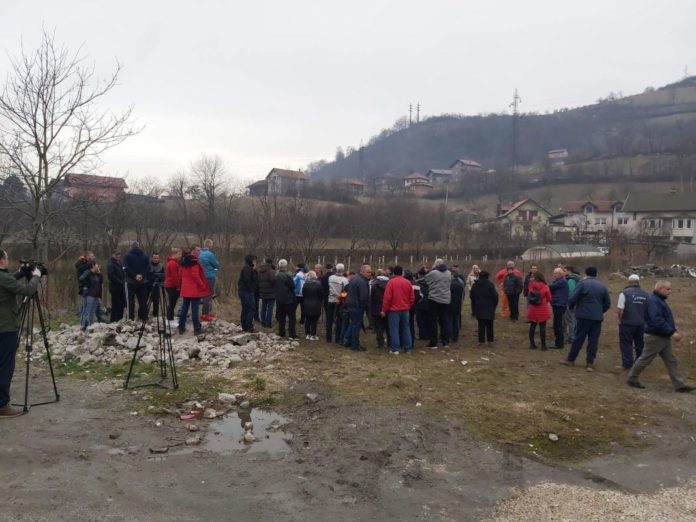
(553, 437)
(249, 437)
(227, 397)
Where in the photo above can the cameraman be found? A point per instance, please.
(10, 288)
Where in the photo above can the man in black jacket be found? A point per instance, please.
(358, 303)
(136, 264)
(247, 286)
(266, 280)
(286, 304)
(116, 286)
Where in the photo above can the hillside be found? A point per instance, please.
(655, 123)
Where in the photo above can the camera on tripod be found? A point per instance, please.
(27, 266)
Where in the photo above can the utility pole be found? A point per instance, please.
(410, 114)
(418, 113)
(516, 100)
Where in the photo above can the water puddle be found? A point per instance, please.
(226, 436)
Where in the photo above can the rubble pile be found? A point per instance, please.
(221, 344)
(650, 270)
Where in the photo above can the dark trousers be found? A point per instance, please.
(310, 324)
(248, 301)
(286, 312)
(558, 313)
(329, 317)
(630, 337)
(356, 318)
(514, 301)
(342, 322)
(379, 323)
(154, 295)
(139, 292)
(423, 320)
(485, 330)
(412, 325)
(267, 312)
(8, 352)
(455, 322)
(542, 334)
(298, 298)
(438, 318)
(172, 298)
(586, 328)
(257, 308)
(118, 303)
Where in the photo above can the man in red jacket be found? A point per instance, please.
(398, 300)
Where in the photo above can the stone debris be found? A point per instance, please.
(565, 502)
(193, 441)
(223, 345)
(553, 437)
(312, 397)
(650, 270)
(249, 437)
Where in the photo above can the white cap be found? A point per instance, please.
(634, 277)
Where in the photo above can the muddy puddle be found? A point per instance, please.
(226, 436)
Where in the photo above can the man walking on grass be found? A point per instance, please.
(660, 329)
(631, 309)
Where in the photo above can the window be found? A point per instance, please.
(600, 221)
(688, 223)
(589, 209)
(653, 223)
(622, 221)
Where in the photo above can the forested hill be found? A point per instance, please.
(657, 121)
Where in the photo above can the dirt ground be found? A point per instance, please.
(417, 438)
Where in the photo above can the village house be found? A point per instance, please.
(283, 182)
(595, 217)
(525, 218)
(465, 166)
(439, 177)
(557, 157)
(351, 186)
(671, 216)
(258, 188)
(103, 189)
(418, 184)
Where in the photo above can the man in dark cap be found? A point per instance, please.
(590, 300)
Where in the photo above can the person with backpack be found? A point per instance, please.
(512, 287)
(484, 301)
(538, 309)
(572, 277)
(286, 304)
(312, 299)
(559, 303)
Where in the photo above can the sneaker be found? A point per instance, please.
(8, 411)
(308, 337)
(394, 352)
(589, 367)
(634, 383)
(685, 389)
(432, 347)
(445, 346)
(567, 363)
(174, 324)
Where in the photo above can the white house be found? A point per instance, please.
(593, 216)
(671, 216)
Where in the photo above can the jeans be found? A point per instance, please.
(267, 312)
(571, 324)
(195, 303)
(438, 317)
(514, 303)
(558, 313)
(248, 301)
(286, 312)
(586, 328)
(329, 317)
(208, 300)
(654, 346)
(88, 310)
(400, 331)
(485, 330)
(8, 353)
(630, 336)
(356, 318)
(172, 298)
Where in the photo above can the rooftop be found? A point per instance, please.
(602, 205)
(670, 202)
(285, 173)
(88, 180)
(467, 163)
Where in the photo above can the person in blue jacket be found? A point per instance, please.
(660, 329)
(210, 266)
(559, 303)
(590, 300)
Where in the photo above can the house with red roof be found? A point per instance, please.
(103, 189)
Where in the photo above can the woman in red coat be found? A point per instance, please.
(193, 287)
(172, 283)
(538, 309)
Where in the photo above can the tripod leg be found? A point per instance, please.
(137, 348)
(166, 350)
(48, 351)
(29, 316)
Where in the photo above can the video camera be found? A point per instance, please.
(27, 266)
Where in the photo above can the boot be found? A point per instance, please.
(532, 344)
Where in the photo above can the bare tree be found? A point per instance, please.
(50, 125)
(209, 188)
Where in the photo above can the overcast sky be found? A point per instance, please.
(280, 84)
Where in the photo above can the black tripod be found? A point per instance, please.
(165, 354)
(30, 308)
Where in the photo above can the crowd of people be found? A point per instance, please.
(400, 307)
